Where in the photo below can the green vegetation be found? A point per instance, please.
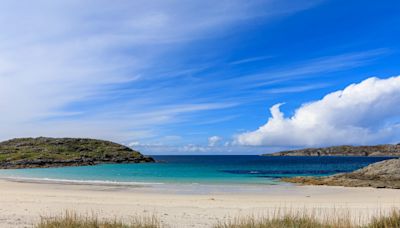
(50, 152)
(388, 150)
(384, 174)
(72, 220)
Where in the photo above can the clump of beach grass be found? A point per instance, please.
(277, 220)
(391, 220)
(73, 220)
(287, 221)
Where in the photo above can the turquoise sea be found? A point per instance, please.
(199, 169)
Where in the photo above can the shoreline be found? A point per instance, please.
(23, 203)
(157, 187)
(35, 180)
(218, 175)
(202, 204)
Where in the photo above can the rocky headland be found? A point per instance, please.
(384, 174)
(56, 152)
(387, 150)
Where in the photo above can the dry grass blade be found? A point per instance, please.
(391, 221)
(72, 220)
(278, 220)
(310, 221)
(287, 221)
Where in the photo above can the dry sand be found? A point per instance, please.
(22, 204)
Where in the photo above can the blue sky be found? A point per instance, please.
(199, 77)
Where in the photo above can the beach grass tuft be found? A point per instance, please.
(288, 220)
(392, 220)
(310, 221)
(72, 220)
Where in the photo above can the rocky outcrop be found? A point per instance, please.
(378, 151)
(56, 152)
(384, 174)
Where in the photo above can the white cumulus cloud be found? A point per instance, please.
(363, 113)
(214, 140)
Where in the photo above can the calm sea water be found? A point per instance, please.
(201, 169)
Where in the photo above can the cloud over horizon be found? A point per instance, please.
(363, 113)
(214, 140)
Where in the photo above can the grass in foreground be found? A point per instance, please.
(72, 220)
(287, 221)
(393, 220)
(307, 221)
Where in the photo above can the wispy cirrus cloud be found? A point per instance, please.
(92, 68)
(250, 60)
(296, 89)
(287, 78)
(308, 68)
(135, 70)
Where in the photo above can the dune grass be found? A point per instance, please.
(287, 221)
(309, 221)
(73, 220)
(392, 220)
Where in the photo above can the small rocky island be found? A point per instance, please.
(384, 174)
(387, 150)
(56, 152)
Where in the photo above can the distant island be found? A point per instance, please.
(387, 150)
(384, 174)
(56, 152)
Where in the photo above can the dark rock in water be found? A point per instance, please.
(387, 150)
(57, 152)
(384, 174)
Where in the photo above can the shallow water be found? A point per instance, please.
(199, 169)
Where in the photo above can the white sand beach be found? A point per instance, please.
(22, 204)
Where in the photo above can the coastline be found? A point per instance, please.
(23, 203)
(34, 180)
(157, 187)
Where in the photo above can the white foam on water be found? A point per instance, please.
(83, 182)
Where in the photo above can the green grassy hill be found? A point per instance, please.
(55, 152)
(388, 150)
